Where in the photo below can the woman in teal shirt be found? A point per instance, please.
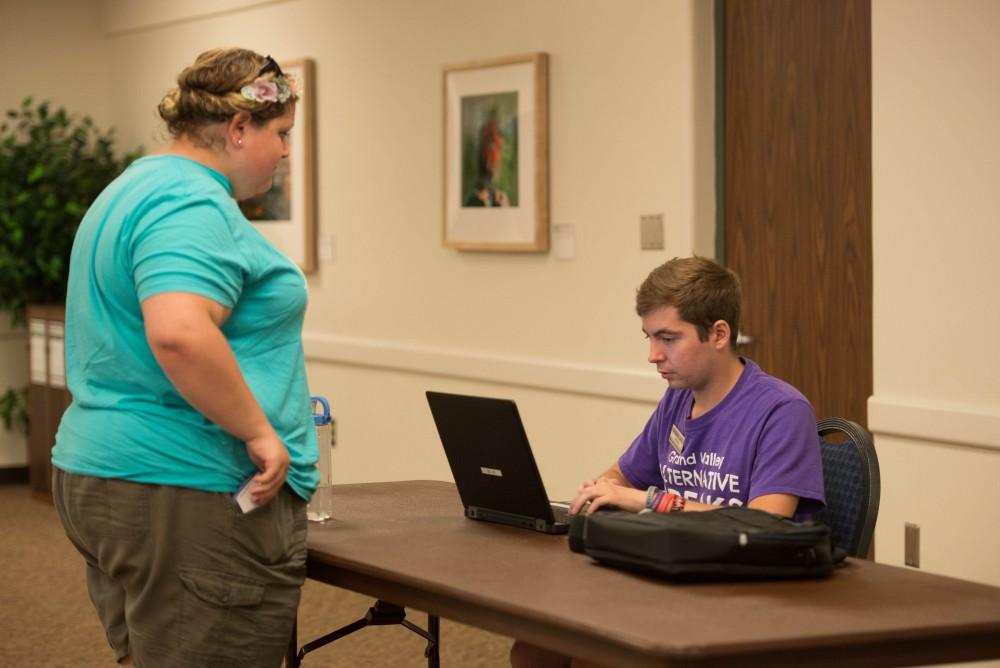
(184, 358)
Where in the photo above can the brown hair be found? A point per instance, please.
(209, 92)
(702, 291)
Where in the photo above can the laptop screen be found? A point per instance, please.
(489, 454)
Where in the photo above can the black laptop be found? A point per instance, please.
(492, 464)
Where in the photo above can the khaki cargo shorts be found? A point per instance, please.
(180, 577)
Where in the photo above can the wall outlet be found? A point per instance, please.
(651, 231)
(911, 545)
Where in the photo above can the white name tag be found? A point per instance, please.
(676, 438)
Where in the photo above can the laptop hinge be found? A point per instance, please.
(538, 524)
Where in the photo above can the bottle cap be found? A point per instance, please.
(321, 418)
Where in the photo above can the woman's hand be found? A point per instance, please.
(270, 456)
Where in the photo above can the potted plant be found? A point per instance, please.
(52, 166)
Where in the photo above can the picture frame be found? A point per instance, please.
(286, 214)
(496, 155)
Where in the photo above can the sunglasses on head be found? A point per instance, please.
(271, 65)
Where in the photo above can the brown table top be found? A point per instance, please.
(409, 543)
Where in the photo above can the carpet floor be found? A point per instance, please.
(47, 621)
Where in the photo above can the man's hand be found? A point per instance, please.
(607, 492)
(270, 456)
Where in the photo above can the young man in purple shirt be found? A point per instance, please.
(724, 434)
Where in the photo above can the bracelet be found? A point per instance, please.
(649, 496)
(668, 503)
(664, 503)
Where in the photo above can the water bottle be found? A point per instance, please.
(320, 507)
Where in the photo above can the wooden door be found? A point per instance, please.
(797, 108)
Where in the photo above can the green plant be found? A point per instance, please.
(13, 408)
(52, 166)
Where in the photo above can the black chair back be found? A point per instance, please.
(852, 485)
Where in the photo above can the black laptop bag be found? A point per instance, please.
(723, 544)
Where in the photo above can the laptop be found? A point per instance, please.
(492, 464)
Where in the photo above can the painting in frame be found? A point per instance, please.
(496, 155)
(286, 214)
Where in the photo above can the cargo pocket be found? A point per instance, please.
(218, 610)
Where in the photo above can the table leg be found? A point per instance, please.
(433, 648)
(382, 613)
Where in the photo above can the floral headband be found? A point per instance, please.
(276, 89)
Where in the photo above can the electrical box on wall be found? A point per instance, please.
(651, 231)
(911, 545)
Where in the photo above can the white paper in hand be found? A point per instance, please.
(242, 497)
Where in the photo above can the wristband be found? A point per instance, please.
(664, 503)
(668, 503)
(649, 496)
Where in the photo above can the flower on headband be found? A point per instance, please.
(261, 90)
(294, 85)
(278, 89)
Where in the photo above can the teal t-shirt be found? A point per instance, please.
(169, 224)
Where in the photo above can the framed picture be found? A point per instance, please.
(286, 214)
(496, 155)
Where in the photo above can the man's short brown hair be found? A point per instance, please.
(702, 291)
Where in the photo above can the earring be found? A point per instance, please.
(239, 142)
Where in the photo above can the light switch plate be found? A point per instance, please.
(651, 231)
(327, 247)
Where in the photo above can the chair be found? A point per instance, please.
(852, 485)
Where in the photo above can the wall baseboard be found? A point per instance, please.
(566, 377)
(971, 425)
(14, 475)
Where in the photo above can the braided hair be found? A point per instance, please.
(217, 86)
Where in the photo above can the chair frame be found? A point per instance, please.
(862, 440)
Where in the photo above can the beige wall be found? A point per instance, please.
(56, 50)
(51, 50)
(936, 407)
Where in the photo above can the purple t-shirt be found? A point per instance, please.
(760, 439)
